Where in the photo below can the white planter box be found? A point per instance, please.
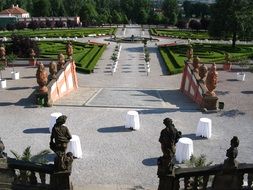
(240, 76)
(15, 75)
(3, 83)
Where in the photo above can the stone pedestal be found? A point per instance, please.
(6, 175)
(32, 62)
(210, 102)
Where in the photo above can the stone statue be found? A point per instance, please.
(61, 62)
(32, 53)
(52, 70)
(2, 52)
(168, 138)
(232, 153)
(189, 53)
(59, 139)
(229, 178)
(32, 60)
(227, 65)
(2, 147)
(211, 80)
(195, 63)
(203, 72)
(42, 78)
(69, 50)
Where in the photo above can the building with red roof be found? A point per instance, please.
(14, 11)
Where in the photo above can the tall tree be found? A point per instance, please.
(41, 8)
(89, 13)
(170, 10)
(57, 8)
(231, 18)
(73, 7)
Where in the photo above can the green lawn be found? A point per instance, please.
(184, 34)
(174, 56)
(55, 33)
(85, 55)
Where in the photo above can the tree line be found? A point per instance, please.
(223, 19)
(96, 12)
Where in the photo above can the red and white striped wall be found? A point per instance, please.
(65, 82)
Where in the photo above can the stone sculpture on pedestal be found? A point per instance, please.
(203, 72)
(60, 137)
(189, 53)
(69, 50)
(52, 70)
(61, 62)
(42, 80)
(32, 60)
(211, 80)
(2, 55)
(229, 172)
(195, 63)
(168, 138)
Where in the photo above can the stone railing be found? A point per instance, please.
(23, 175)
(231, 175)
(65, 82)
(209, 177)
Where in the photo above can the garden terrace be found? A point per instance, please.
(174, 56)
(55, 33)
(85, 55)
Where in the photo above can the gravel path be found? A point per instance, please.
(113, 157)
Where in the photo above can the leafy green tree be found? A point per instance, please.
(73, 7)
(41, 8)
(187, 6)
(88, 13)
(143, 16)
(231, 18)
(170, 10)
(57, 8)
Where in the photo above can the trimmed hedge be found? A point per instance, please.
(85, 55)
(88, 63)
(174, 56)
(55, 33)
(172, 65)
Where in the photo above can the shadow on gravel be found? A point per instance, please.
(150, 161)
(116, 129)
(18, 88)
(193, 136)
(247, 92)
(29, 77)
(221, 93)
(36, 130)
(136, 188)
(232, 80)
(232, 113)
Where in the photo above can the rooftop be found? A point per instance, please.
(14, 10)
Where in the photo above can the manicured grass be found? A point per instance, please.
(55, 33)
(85, 55)
(174, 56)
(184, 34)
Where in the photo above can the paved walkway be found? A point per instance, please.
(113, 157)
